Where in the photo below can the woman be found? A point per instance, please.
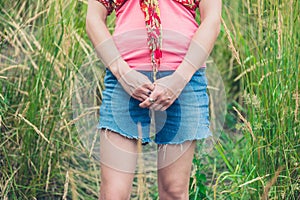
(155, 64)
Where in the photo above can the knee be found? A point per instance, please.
(114, 192)
(174, 191)
(114, 195)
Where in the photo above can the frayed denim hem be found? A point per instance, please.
(144, 140)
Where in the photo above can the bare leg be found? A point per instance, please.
(118, 161)
(175, 162)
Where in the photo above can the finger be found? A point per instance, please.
(146, 103)
(149, 86)
(143, 97)
(163, 108)
(138, 98)
(161, 101)
(161, 105)
(146, 87)
(166, 106)
(166, 102)
(155, 106)
(143, 104)
(139, 93)
(146, 91)
(156, 94)
(143, 90)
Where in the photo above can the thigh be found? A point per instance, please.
(174, 165)
(118, 152)
(118, 157)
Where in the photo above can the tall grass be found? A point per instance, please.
(43, 46)
(265, 45)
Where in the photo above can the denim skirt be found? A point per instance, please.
(186, 119)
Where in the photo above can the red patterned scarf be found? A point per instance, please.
(151, 12)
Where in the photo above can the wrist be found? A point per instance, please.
(119, 67)
(194, 59)
(186, 70)
(107, 52)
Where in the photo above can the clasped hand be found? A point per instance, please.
(158, 95)
(136, 84)
(166, 90)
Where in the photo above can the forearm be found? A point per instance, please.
(208, 32)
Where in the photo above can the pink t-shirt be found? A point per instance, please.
(130, 35)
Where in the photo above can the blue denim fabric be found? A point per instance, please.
(186, 119)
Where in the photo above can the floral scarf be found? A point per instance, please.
(153, 25)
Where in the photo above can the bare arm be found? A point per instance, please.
(134, 83)
(209, 29)
(96, 22)
(206, 34)
(98, 33)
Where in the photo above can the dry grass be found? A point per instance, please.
(43, 51)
